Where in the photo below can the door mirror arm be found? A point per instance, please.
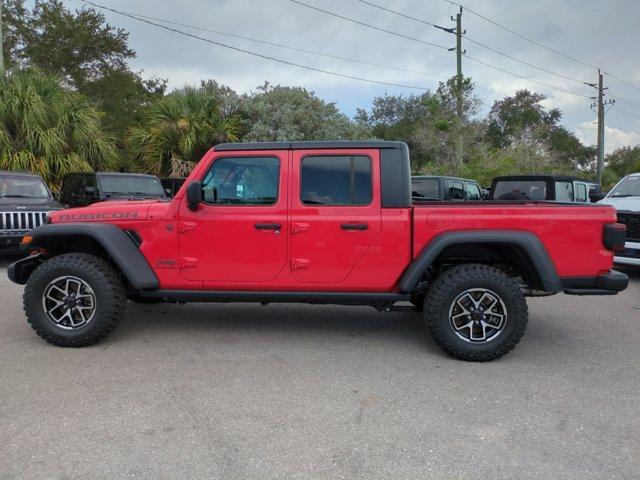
(194, 195)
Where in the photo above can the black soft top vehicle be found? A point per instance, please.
(558, 188)
(25, 201)
(427, 188)
(84, 188)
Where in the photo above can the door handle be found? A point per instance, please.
(354, 226)
(267, 226)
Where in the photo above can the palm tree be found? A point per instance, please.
(48, 129)
(178, 130)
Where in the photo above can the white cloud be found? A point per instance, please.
(613, 137)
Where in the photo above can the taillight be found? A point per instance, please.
(613, 236)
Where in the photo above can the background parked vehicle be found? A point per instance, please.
(558, 188)
(84, 188)
(440, 188)
(625, 197)
(25, 201)
(172, 185)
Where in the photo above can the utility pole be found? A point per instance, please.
(458, 87)
(459, 64)
(600, 103)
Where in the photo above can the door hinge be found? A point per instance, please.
(188, 262)
(187, 226)
(297, 227)
(299, 263)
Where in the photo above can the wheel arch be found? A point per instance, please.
(523, 250)
(102, 239)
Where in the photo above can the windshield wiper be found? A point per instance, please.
(621, 195)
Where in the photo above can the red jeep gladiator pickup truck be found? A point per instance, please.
(316, 222)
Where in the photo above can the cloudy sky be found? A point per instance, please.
(596, 32)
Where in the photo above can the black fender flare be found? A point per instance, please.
(531, 244)
(116, 243)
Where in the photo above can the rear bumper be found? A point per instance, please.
(607, 284)
(630, 255)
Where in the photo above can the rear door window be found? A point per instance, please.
(520, 190)
(336, 180)
(581, 193)
(456, 190)
(473, 191)
(425, 189)
(564, 191)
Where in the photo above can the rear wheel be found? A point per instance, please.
(475, 312)
(73, 300)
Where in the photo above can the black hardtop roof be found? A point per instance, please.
(543, 176)
(446, 177)
(123, 174)
(19, 174)
(226, 147)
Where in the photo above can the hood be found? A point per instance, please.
(29, 204)
(631, 204)
(105, 212)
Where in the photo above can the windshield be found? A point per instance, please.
(628, 187)
(131, 185)
(425, 189)
(23, 187)
(520, 190)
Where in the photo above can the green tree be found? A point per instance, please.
(89, 54)
(293, 113)
(47, 129)
(427, 123)
(624, 160)
(532, 134)
(178, 130)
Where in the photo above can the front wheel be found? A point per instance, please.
(73, 300)
(475, 312)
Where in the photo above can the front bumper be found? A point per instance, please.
(607, 284)
(10, 244)
(630, 255)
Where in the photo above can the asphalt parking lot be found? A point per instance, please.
(292, 391)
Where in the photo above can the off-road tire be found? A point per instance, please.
(453, 282)
(99, 275)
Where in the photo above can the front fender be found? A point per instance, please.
(115, 242)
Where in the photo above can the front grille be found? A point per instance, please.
(632, 221)
(20, 221)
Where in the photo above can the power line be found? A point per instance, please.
(622, 100)
(400, 14)
(358, 22)
(524, 77)
(622, 81)
(288, 47)
(439, 46)
(625, 113)
(506, 55)
(541, 45)
(237, 49)
(520, 35)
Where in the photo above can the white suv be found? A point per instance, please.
(625, 197)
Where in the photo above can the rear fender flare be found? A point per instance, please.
(529, 242)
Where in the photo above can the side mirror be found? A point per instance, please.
(596, 197)
(194, 195)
